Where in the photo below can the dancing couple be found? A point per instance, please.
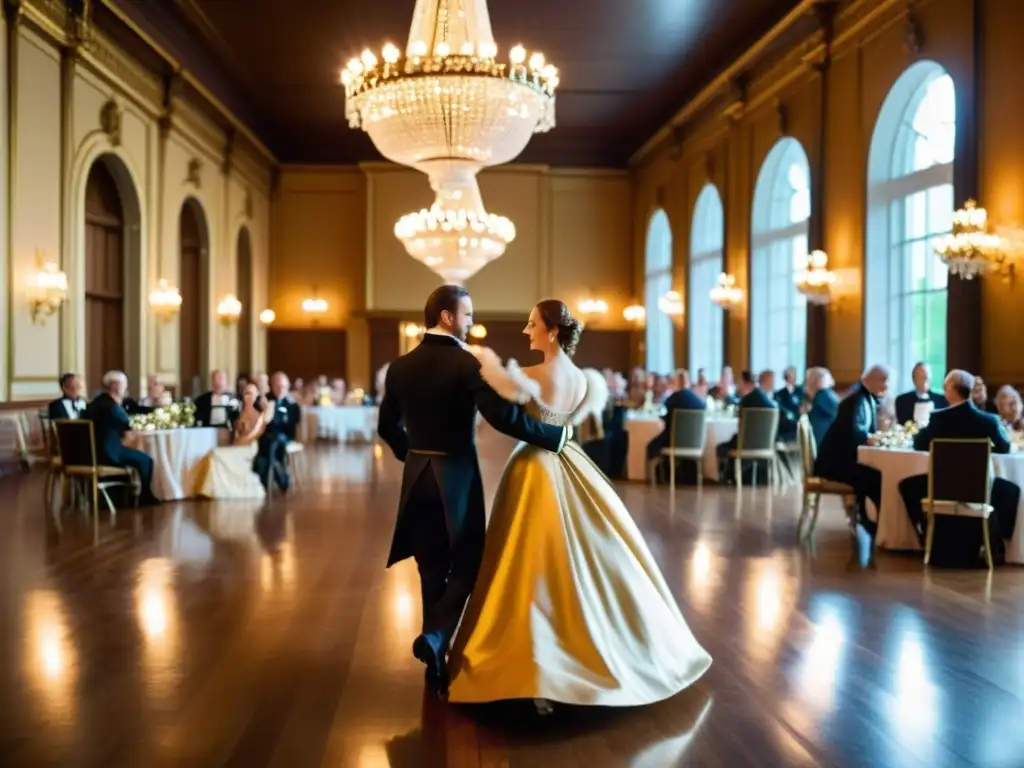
(565, 602)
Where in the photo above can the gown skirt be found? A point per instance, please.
(569, 605)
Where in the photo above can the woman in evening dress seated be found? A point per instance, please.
(569, 605)
(228, 472)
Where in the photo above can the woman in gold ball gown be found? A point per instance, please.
(569, 605)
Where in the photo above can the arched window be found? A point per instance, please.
(782, 207)
(658, 282)
(910, 206)
(707, 236)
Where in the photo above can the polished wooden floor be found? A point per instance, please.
(208, 634)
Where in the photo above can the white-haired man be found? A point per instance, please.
(110, 422)
(962, 420)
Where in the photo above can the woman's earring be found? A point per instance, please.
(551, 338)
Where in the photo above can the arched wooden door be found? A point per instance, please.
(243, 254)
(104, 276)
(191, 243)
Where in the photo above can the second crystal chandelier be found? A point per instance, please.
(449, 108)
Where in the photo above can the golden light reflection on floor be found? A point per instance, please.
(156, 612)
(54, 664)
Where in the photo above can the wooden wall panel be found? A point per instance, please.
(307, 352)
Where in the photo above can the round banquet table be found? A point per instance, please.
(343, 423)
(177, 457)
(894, 529)
(643, 428)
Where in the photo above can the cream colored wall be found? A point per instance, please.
(870, 52)
(333, 235)
(152, 168)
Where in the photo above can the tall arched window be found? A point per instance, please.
(910, 205)
(782, 207)
(657, 282)
(707, 236)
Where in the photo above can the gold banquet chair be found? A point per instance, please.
(687, 435)
(76, 446)
(755, 441)
(959, 485)
(816, 487)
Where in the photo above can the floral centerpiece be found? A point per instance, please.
(173, 416)
(899, 436)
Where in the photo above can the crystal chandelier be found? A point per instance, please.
(971, 251)
(671, 304)
(449, 108)
(726, 294)
(165, 301)
(814, 279)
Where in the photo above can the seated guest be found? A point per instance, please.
(156, 395)
(886, 413)
(789, 400)
(979, 396)
(217, 408)
(283, 421)
(1010, 408)
(228, 472)
(241, 382)
(962, 420)
(70, 404)
(921, 401)
(725, 390)
(823, 403)
(682, 399)
(110, 423)
(856, 420)
(262, 382)
(752, 397)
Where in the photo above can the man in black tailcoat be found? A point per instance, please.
(428, 419)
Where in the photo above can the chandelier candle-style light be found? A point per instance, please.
(726, 294)
(635, 313)
(592, 307)
(971, 251)
(314, 306)
(448, 107)
(815, 279)
(268, 316)
(229, 309)
(165, 301)
(48, 289)
(671, 304)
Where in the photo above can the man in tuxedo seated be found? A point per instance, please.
(110, 422)
(281, 429)
(856, 420)
(789, 399)
(920, 401)
(958, 540)
(71, 404)
(751, 396)
(219, 407)
(684, 398)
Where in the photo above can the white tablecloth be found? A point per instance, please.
(643, 429)
(178, 456)
(344, 423)
(894, 528)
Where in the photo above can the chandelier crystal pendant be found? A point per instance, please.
(449, 108)
(814, 279)
(726, 294)
(971, 251)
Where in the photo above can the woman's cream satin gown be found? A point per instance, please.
(569, 605)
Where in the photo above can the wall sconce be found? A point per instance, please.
(478, 331)
(413, 331)
(972, 251)
(229, 309)
(815, 280)
(726, 294)
(671, 304)
(588, 307)
(165, 301)
(314, 306)
(267, 317)
(635, 313)
(47, 290)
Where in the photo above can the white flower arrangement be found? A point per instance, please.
(899, 436)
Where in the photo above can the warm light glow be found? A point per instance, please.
(726, 294)
(314, 306)
(47, 289)
(971, 251)
(592, 307)
(635, 313)
(478, 331)
(229, 309)
(52, 670)
(671, 304)
(165, 301)
(450, 109)
(814, 279)
(412, 330)
(268, 316)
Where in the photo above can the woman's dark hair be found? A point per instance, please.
(557, 317)
(443, 299)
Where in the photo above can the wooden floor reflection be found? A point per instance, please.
(232, 634)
